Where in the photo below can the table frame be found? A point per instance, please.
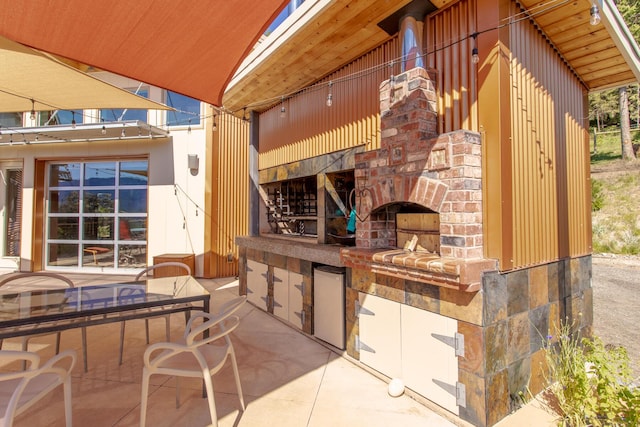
(56, 322)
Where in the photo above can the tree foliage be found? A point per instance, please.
(604, 108)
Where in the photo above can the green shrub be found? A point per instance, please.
(597, 195)
(590, 382)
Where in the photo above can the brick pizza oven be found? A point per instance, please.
(418, 171)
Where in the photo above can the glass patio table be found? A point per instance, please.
(35, 311)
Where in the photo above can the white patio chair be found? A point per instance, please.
(167, 317)
(20, 282)
(196, 357)
(20, 390)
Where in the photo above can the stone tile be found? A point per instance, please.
(517, 292)
(495, 343)
(276, 260)
(363, 280)
(465, 306)
(391, 288)
(519, 374)
(538, 286)
(564, 277)
(422, 295)
(352, 324)
(518, 337)
(587, 310)
(495, 297)
(539, 372)
(475, 409)
(473, 359)
(556, 288)
(539, 327)
(307, 297)
(580, 273)
(306, 268)
(293, 264)
(498, 397)
(555, 320)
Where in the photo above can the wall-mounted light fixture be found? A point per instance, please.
(194, 163)
(595, 15)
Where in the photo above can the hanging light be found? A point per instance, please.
(33, 110)
(215, 126)
(475, 58)
(189, 128)
(123, 134)
(104, 130)
(73, 119)
(283, 111)
(330, 96)
(595, 15)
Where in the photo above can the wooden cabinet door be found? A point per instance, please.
(296, 294)
(429, 361)
(281, 293)
(257, 284)
(380, 347)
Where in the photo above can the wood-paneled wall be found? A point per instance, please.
(309, 128)
(227, 193)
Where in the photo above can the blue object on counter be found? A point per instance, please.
(351, 223)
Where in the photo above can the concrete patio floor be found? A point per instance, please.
(288, 379)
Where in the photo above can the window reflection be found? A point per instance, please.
(98, 228)
(63, 255)
(98, 201)
(64, 175)
(64, 201)
(63, 228)
(187, 110)
(134, 173)
(99, 174)
(133, 201)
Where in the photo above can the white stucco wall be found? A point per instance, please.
(176, 196)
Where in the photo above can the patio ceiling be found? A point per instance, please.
(189, 47)
(325, 35)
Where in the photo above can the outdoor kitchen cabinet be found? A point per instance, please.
(288, 293)
(414, 345)
(257, 284)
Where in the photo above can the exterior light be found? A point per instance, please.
(595, 15)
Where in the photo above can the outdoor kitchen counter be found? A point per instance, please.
(305, 249)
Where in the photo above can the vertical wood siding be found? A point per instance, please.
(551, 187)
(309, 128)
(229, 194)
(448, 45)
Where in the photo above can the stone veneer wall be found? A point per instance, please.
(414, 164)
(505, 326)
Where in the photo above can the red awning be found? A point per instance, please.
(189, 47)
